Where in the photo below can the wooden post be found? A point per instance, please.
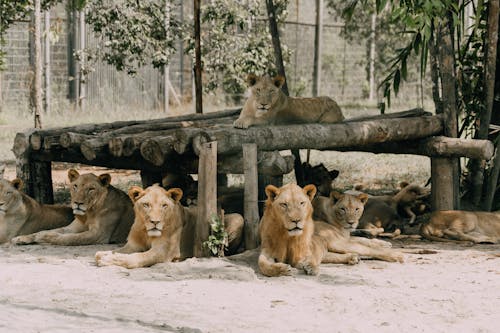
(251, 208)
(207, 196)
(41, 177)
(83, 85)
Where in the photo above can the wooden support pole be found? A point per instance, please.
(207, 197)
(41, 182)
(441, 180)
(251, 208)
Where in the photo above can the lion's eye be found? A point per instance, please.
(342, 210)
(357, 209)
(9, 193)
(283, 205)
(164, 205)
(75, 187)
(145, 205)
(302, 203)
(90, 190)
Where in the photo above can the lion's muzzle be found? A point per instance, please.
(79, 208)
(295, 227)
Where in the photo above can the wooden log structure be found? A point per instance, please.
(160, 146)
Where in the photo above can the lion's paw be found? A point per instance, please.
(381, 243)
(104, 258)
(283, 269)
(353, 259)
(310, 269)
(399, 257)
(241, 123)
(23, 240)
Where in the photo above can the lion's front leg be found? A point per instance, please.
(42, 236)
(269, 267)
(375, 243)
(133, 260)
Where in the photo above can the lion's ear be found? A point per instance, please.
(402, 185)
(17, 184)
(310, 191)
(73, 175)
(135, 192)
(175, 193)
(279, 81)
(251, 79)
(335, 196)
(105, 179)
(271, 192)
(363, 197)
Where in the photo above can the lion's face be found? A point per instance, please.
(347, 209)
(266, 91)
(10, 196)
(410, 193)
(87, 190)
(156, 207)
(293, 205)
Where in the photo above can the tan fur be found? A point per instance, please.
(462, 226)
(21, 215)
(268, 105)
(163, 230)
(342, 212)
(103, 214)
(287, 233)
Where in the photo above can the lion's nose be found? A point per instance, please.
(296, 221)
(78, 203)
(155, 222)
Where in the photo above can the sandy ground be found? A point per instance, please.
(60, 289)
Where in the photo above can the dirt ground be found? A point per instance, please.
(60, 289)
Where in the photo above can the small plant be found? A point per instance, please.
(218, 240)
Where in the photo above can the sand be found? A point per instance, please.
(60, 289)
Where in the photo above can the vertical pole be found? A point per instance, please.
(166, 69)
(318, 48)
(197, 52)
(251, 208)
(372, 56)
(207, 196)
(83, 85)
(37, 85)
(48, 94)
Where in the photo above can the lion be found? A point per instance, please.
(462, 226)
(21, 214)
(163, 230)
(383, 215)
(268, 105)
(103, 214)
(288, 237)
(342, 212)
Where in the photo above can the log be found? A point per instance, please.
(156, 150)
(433, 147)
(271, 163)
(207, 197)
(92, 147)
(322, 137)
(73, 139)
(251, 208)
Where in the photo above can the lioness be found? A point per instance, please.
(288, 236)
(21, 215)
(459, 225)
(103, 214)
(268, 105)
(163, 230)
(343, 211)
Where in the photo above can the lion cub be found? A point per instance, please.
(163, 230)
(288, 237)
(268, 105)
(342, 212)
(21, 214)
(103, 214)
(459, 225)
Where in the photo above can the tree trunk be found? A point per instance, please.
(318, 33)
(251, 208)
(445, 172)
(37, 82)
(197, 62)
(484, 121)
(278, 54)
